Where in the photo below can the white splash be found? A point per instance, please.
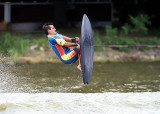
(80, 103)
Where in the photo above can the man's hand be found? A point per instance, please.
(75, 40)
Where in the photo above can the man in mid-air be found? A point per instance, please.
(60, 45)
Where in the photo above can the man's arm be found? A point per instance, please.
(62, 42)
(67, 38)
(75, 40)
(68, 44)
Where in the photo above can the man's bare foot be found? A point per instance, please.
(79, 67)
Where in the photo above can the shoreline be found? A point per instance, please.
(105, 55)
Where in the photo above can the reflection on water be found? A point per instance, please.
(56, 77)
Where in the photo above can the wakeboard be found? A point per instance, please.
(87, 49)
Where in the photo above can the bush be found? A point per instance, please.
(126, 29)
(138, 24)
(111, 32)
(97, 40)
(148, 40)
(120, 41)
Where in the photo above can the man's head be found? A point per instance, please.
(49, 29)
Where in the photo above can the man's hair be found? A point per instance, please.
(46, 27)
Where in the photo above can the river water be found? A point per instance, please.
(54, 88)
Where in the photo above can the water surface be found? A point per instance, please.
(56, 77)
(54, 88)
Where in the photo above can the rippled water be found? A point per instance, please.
(115, 88)
(106, 77)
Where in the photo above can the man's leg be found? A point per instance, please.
(79, 57)
(79, 60)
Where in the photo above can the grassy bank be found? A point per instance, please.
(113, 36)
(19, 44)
(15, 45)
